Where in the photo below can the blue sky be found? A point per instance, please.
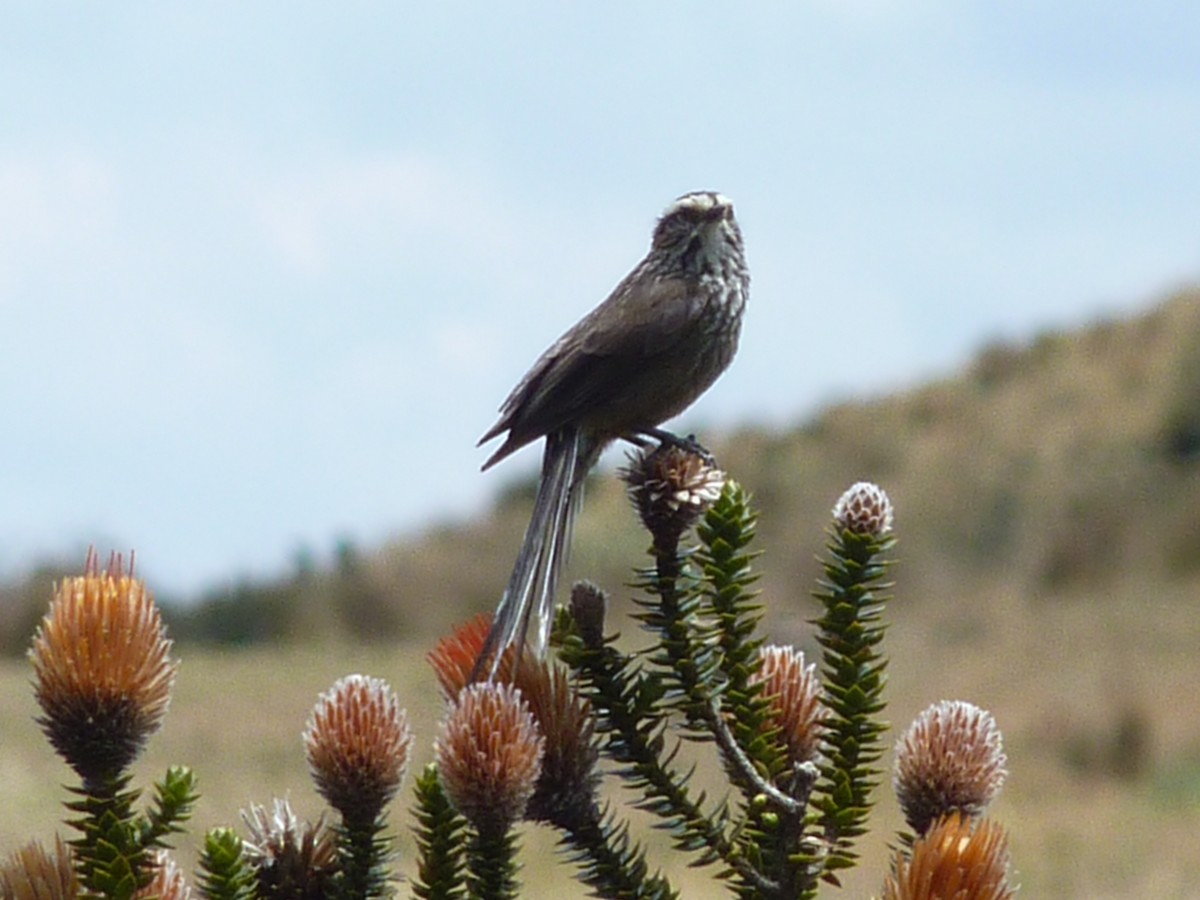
(267, 270)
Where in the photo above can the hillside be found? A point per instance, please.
(1067, 465)
(1048, 569)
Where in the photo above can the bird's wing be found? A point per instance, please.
(590, 362)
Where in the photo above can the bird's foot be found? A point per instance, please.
(668, 439)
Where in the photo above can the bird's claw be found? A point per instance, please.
(688, 444)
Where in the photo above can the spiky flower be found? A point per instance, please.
(864, 509)
(793, 691)
(357, 742)
(489, 755)
(454, 657)
(103, 672)
(168, 882)
(566, 789)
(672, 487)
(956, 859)
(950, 759)
(31, 873)
(589, 606)
(567, 784)
(292, 858)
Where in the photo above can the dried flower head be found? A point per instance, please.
(103, 671)
(950, 759)
(671, 487)
(31, 873)
(566, 789)
(489, 755)
(589, 605)
(168, 882)
(454, 657)
(291, 858)
(956, 859)
(794, 692)
(357, 742)
(864, 509)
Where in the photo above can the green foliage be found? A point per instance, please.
(224, 873)
(110, 859)
(611, 863)
(701, 671)
(174, 798)
(363, 853)
(112, 854)
(631, 721)
(440, 834)
(850, 633)
(492, 864)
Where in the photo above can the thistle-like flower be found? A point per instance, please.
(566, 786)
(951, 759)
(864, 509)
(103, 672)
(566, 789)
(589, 606)
(794, 692)
(956, 859)
(489, 755)
(168, 883)
(31, 873)
(291, 858)
(671, 487)
(357, 742)
(453, 659)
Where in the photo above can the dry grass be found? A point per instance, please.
(1060, 680)
(1049, 569)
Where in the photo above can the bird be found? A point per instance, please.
(667, 331)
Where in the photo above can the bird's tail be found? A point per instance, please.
(567, 457)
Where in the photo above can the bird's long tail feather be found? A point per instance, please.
(543, 553)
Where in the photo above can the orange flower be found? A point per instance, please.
(357, 742)
(489, 755)
(794, 692)
(103, 672)
(954, 861)
(453, 659)
(566, 789)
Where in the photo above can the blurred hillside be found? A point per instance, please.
(1067, 465)
(1048, 569)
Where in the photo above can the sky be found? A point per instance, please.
(267, 270)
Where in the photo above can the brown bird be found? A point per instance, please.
(659, 340)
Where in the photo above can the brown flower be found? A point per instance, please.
(103, 671)
(566, 789)
(864, 509)
(357, 742)
(950, 759)
(489, 755)
(33, 874)
(291, 858)
(588, 606)
(956, 860)
(794, 692)
(671, 487)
